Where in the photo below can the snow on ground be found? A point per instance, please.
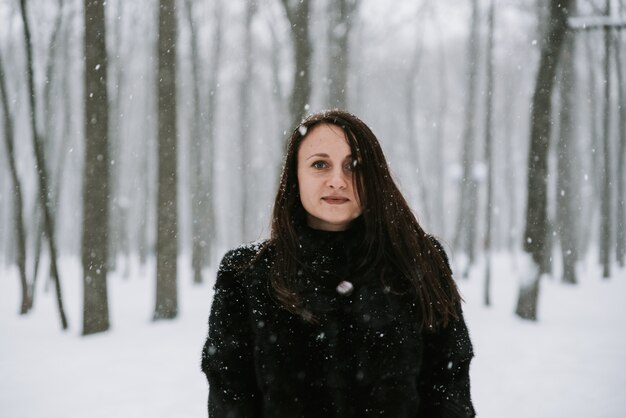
(569, 364)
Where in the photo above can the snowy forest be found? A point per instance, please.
(142, 139)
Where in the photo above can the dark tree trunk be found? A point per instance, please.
(536, 208)
(96, 183)
(298, 15)
(166, 306)
(606, 199)
(37, 249)
(567, 191)
(44, 190)
(620, 230)
(341, 16)
(18, 202)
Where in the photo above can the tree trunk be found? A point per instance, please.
(488, 155)
(116, 60)
(167, 249)
(536, 209)
(567, 192)
(280, 102)
(298, 15)
(198, 201)
(37, 249)
(620, 230)
(607, 192)
(594, 144)
(96, 183)
(341, 16)
(209, 165)
(466, 219)
(18, 202)
(55, 155)
(44, 190)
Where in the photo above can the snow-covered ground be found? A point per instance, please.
(569, 364)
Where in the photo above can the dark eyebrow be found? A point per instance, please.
(324, 155)
(319, 154)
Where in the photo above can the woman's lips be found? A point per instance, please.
(335, 200)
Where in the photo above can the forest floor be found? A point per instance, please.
(570, 363)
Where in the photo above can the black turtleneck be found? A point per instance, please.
(329, 257)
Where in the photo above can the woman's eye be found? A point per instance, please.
(350, 165)
(319, 165)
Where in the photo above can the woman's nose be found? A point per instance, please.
(337, 179)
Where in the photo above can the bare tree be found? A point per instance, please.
(465, 237)
(211, 111)
(298, 16)
(594, 135)
(55, 154)
(567, 192)
(18, 202)
(44, 194)
(489, 153)
(167, 247)
(341, 18)
(620, 230)
(606, 199)
(117, 231)
(198, 200)
(541, 114)
(600, 137)
(96, 184)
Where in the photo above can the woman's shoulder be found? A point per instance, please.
(437, 243)
(244, 256)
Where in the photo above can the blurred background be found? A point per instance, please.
(141, 139)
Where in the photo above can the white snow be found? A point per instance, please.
(569, 364)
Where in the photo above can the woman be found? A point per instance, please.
(349, 309)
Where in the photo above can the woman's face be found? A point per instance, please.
(325, 181)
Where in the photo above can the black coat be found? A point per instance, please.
(366, 354)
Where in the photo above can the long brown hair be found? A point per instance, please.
(393, 239)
